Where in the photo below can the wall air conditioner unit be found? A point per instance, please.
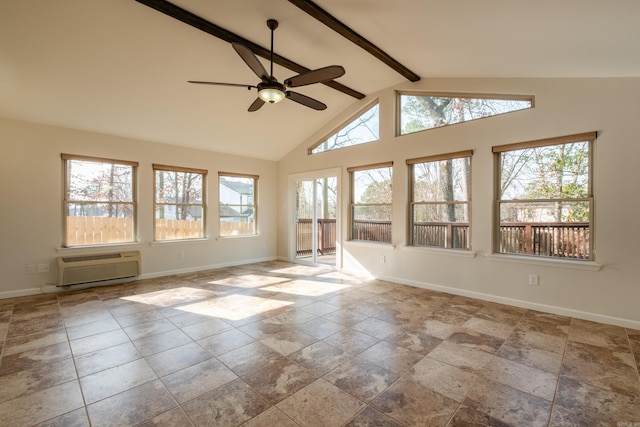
(74, 270)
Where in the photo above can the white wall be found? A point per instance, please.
(563, 107)
(31, 213)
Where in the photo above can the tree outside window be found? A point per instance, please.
(440, 200)
(545, 199)
(179, 203)
(427, 111)
(99, 201)
(371, 198)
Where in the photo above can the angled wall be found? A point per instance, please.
(607, 290)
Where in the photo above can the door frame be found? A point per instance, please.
(308, 176)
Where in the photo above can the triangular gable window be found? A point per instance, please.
(420, 112)
(365, 128)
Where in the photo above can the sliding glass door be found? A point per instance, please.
(316, 206)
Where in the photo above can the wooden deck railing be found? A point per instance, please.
(555, 239)
(326, 237)
(450, 235)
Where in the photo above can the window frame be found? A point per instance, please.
(353, 204)
(467, 95)
(412, 203)
(168, 168)
(66, 201)
(255, 179)
(343, 125)
(589, 138)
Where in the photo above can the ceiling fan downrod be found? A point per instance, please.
(272, 24)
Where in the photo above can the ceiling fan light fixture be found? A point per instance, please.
(271, 95)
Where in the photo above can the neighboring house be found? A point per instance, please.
(236, 201)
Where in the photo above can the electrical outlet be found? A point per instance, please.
(533, 280)
(383, 259)
(43, 268)
(181, 254)
(31, 269)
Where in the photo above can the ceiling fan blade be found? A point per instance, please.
(315, 76)
(251, 60)
(306, 101)
(221, 84)
(256, 105)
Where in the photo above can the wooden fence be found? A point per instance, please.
(91, 230)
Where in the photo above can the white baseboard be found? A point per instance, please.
(52, 288)
(203, 268)
(595, 317)
(20, 293)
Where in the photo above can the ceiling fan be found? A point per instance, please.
(272, 91)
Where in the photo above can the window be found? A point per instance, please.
(99, 201)
(238, 209)
(179, 203)
(371, 202)
(545, 198)
(419, 111)
(440, 198)
(365, 128)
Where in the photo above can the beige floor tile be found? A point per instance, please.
(321, 404)
(106, 358)
(160, 342)
(250, 358)
(270, 418)
(362, 379)
(229, 405)
(320, 357)
(391, 357)
(225, 342)
(98, 342)
(131, 407)
(198, 379)
(174, 417)
(369, 417)
(92, 328)
(38, 376)
(528, 379)
(221, 347)
(115, 380)
(77, 418)
(413, 404)
(177, 358)
(42, 405)
(279, 380)
(452, 382)
(507, 404)
(351, 341)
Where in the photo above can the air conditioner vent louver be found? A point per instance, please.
(82, 269)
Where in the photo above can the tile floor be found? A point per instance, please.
(279, 344)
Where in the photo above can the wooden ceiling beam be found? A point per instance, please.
(195, 21)
(330, 21)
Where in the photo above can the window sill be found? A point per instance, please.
(441, 251)
(239, 236)
(547, 262)
(369, 243)
(106, 248)
(178, 241)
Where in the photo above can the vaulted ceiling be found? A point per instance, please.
(120, 67)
